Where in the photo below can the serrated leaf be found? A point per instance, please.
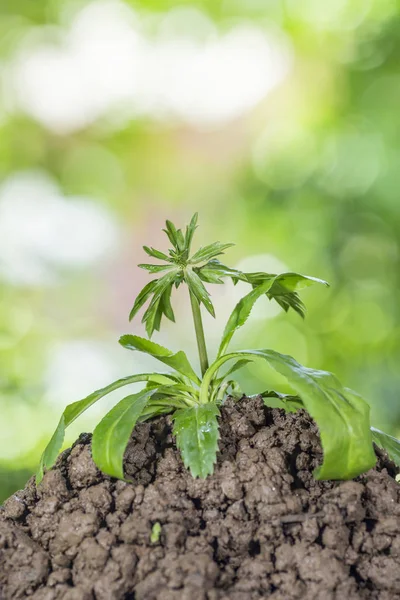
(156, 253)
(208, 252)
(196, 431)
(177, 361)
(388, 443)
(241, 313)
(209, 275)
(197, 288)
(341, 415)
(74, 410)
(221, 270)
(143, 296)
(155, 268)
(284, 290)
(112, 434)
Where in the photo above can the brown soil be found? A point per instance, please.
(260, 527)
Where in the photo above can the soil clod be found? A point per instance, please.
(260, 527)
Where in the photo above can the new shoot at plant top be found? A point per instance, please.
(193, 400)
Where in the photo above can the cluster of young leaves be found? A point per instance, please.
(194, 403)
(203, 267)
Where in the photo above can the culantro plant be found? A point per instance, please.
(194, 400)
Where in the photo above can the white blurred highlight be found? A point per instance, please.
(41, 231)
(106, 61)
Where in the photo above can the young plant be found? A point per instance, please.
(194, 401)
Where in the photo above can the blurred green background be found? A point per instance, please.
(277, 120)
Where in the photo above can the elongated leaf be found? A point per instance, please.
(52, 450)
(171, 233)
(241, 313)
(341, 415)
(197, 288)
(152, 316)
(223, 271)
(190, 229)
(142, 297)
(155, 268)
(165, 303)
(74, 410)
(239, 364)
(197, 434)
(208, 275)
(156, 253)
(286, 282)
(181, 240)
(388, 443)
(112, 434)
(154, 410)
(208, 252)
(177, 361)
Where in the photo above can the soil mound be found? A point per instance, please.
(260, 527)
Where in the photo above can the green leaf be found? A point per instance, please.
(158, 313)
(342, 415)
(152, 316)
(156, 253)
(74, 410)
(241, 313)
(162, 404)
(165, 303)
(209, 252)
(177, 361)
(288, 402)
(143, 296)
(223, 271)
(208, 275)
(155, 410)
(190, 229)
(388, 443)
(284, 290)
(197, 288)
(171, 233)
(52, 450)
(155, 268)
(155, 533)
(112, 434)
(197, 434)
(180, 240)
(239, 364)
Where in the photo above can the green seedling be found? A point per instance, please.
(194, 400)
(155, 533)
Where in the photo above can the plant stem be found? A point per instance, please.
(198, 326)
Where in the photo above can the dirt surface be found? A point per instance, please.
(260, 527)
